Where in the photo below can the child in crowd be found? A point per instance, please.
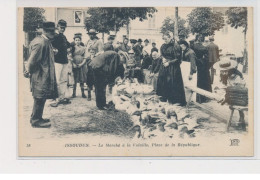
(78, 64)
(89, 76)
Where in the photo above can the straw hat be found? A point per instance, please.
(225, 64)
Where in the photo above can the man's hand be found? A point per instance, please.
(74, 65)
(166, 64)
(80, 65)
(55, 51)
(164, 60)
(222, 101)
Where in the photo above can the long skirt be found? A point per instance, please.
(170, 84)
(203, 81)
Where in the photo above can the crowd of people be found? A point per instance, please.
(54, 64)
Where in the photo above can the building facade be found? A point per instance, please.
(229, 39)
(147, 29)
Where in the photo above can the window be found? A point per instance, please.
(151, 22)
(225, 29)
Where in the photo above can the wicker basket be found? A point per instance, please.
(236, 95)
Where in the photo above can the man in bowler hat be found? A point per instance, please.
(41, 69)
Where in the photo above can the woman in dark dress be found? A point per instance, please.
(203, 76)
(170, 84)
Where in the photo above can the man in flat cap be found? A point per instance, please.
(41, 68)
(213, 53)
(108, 46)
(61, 62)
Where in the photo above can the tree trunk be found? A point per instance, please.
(115, 28)
(103, 34)
(127, 30)
(176, 24)
(27, 41)
(245, 57)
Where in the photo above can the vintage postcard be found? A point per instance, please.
(135, 81)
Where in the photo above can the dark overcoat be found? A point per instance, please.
(138, 50)
(42, 70)
(190, 56)
(203, 76)
(108, 64)
(213, 53)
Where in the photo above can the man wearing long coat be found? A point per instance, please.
(42, 71)
(138, 49)
(202, 63)
(213, 53)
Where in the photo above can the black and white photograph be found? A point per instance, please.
(135, 81)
